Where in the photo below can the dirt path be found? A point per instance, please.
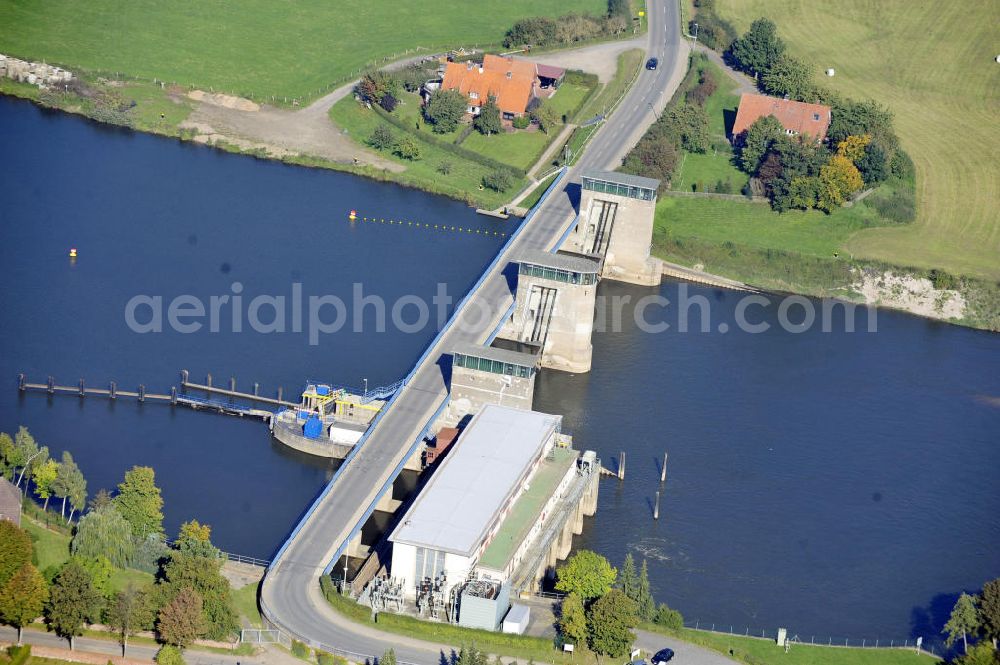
(600, 59)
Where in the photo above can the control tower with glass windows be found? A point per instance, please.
(482, 375)
(616, 225)
(554, 308)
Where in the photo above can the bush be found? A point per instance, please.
(407, 148)
(714, 32)
(300, 650)
(169, 655)
(499, 180)
(943, 280)
(382, 138)
(19, 655)
(899, 207)
(701, 92)
(389, 102)
(535, 31)
(668, 618)
(444, 168)
(521, 122)
(324, 658)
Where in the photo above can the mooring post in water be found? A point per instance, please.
(232, 384)
(113, 390)
(51, 383)
(621, 465)
(256, 387)
(142, 393)
(279, 393)
(184, 378)
(20, 382)
(656, 506)
(83, 389)
(663, 469)
(208, 381)
(173, 394)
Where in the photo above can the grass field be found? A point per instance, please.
(933, 65)
(520, 148)
(754, 224)
(257, 46)
(245, 600)
(766, 652)
(567, 99)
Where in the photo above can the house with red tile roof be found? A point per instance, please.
(798, 118)
(514, 82)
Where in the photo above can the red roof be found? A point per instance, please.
(512, 92)
(797, 117)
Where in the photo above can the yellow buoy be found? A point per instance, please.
(353, 216)
(72, 253)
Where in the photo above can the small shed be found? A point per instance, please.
(10, 502)
(516, 621)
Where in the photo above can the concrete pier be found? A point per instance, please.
(616, 224)
(554, 308)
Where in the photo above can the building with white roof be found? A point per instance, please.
(486, 502)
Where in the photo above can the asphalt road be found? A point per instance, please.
(290, 594)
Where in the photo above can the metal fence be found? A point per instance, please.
(816, 640)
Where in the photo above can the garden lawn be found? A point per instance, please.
(256, 46)
(766, 652)
(933, 65)
(567, 99)
(465, 176)
(520, 148)
(754, 224)
(245, 600)
(707, 169)
(51, 548)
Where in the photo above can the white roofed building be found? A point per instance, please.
(487, 502)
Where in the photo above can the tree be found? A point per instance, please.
(757, 140)
(18, 456)
(873, 164)
(611, 620)
(373, 86)
(73, 602)
(388, 657)
(653, 157)
(129, 612)
(70, 485)
(586, 573)
(759, 48)
(534, 31)
(858, 118)
(140, 503)
(407, 148)
(100, 570)
(573, 620)
(488, 120)
(389, 102)
(22, 598)
(7, 453)
(204, 576)
(169, 655)
(470, 655)
(668, 618)
(853, 147)
(688, 124)
(180, 621)
(104, 532)
(15, 550)
(839, 178)
(989, 610)
(499, 180)
(44, 475)
(445, 109)
(101, 499)
(195, 538)
(382, 138)
(546, 118)
(964, 621)
(644, 595)
(789, 77)
(803, 192)
(628, 580)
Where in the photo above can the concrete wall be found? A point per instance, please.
(567, 340)
(626, 248)
(472, 389)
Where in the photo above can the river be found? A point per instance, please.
(839, 484)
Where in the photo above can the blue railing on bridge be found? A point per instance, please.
(385, 409)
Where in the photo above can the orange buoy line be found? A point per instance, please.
(424, 225)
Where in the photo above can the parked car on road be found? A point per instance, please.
(652, 63)
(662, 656)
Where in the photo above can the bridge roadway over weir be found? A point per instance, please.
(290, 594)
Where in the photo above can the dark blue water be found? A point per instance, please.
(838, 484)
(842, 485)
(156, 217)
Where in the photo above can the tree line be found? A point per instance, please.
(541, 31)
(25, 463)
(188, 598)
(976, 617)
(602, 606)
